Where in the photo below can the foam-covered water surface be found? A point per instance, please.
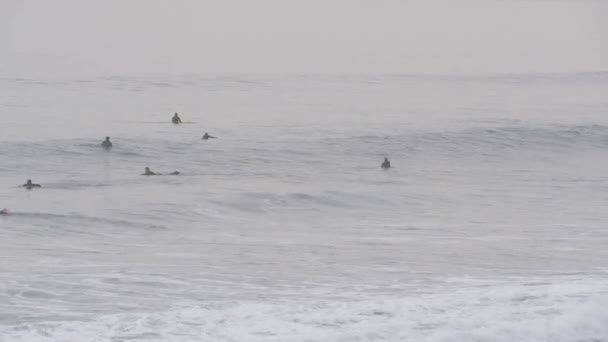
(491, 226)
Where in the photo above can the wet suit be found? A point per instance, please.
(107, 144)
(176, 120)
(207, 136)
(386, 164)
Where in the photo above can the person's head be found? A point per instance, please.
(385, 159)
(29, 182)
(175, 114)
(107, 138)
(147, 169)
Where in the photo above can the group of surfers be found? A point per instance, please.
(107, 144)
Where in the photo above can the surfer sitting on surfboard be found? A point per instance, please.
(29, 185)
(176, 120)
(386, 164)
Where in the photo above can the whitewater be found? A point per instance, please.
(491, 226)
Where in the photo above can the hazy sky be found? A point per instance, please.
(73, 37)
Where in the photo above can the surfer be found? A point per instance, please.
(206, 136)
(386, 164)
(107, 144)
(176, 120)
(29, 185)
(147, 172)
(4, 212)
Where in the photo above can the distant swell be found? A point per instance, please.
(49, 219)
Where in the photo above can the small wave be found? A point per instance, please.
(599, 75)
(262, 202)
(531, 77)
(81, 219)
(484, 141)
(53, 153)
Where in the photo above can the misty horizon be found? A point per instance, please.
(69, 37)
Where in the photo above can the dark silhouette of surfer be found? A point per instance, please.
(206, 136)
(176, 120)
(386, 164)
(148, 172)
(29, 185)
(107, 144)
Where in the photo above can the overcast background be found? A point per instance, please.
(76, 37)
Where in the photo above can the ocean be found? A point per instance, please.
(491, 225)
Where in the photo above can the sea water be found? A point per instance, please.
(491, 225)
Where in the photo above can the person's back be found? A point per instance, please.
(176, 119)
(107, 144)
(386, 164)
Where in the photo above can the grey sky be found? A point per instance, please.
(202, 36)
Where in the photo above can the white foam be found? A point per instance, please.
(568, 311)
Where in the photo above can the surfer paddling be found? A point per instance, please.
(148, 172)
(206, 136)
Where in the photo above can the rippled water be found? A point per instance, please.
(490, 227)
